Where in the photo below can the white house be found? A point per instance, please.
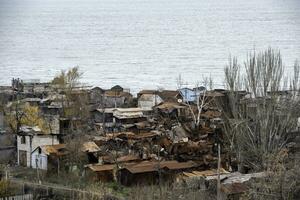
(28, 139)
(41, 155)
(191, 95)
(147, 101)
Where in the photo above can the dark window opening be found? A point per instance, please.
(23, 139)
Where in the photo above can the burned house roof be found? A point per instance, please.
(90, 147)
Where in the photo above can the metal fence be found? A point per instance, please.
(18, 197)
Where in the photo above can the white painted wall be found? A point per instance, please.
(39, 160)
(37, 140)
(150, 102)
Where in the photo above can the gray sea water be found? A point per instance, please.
(141, 43)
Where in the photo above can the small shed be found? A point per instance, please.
(40, 156)
(149, 172)
(100, 172)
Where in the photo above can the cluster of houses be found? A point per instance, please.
(156, 135)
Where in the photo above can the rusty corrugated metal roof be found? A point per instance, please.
(150, 166)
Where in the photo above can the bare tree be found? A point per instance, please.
(260, 124)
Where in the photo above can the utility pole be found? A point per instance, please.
(159, 172)
(219, 179)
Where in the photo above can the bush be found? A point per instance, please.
(4, 188)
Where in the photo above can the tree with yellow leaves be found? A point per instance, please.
(27, 115)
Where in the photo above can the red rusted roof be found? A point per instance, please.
(154, 166)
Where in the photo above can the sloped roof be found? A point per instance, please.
(170, 106)
(30, 130)
(165, 95)
(152, 166)
(101, 168)
(169, 95)
(117, 88)
(211, 172)
(112, 93)
(147, 92)
(54, 149)
(212, 94)
(146, 97)
(128, 113)
(98, 88)
(90, 147)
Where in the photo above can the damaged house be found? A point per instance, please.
(28, 139)
(117, 97)
(147, 99)
(118, 119)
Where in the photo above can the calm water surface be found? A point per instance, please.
(141, 43)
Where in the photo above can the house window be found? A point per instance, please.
(23, 139)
